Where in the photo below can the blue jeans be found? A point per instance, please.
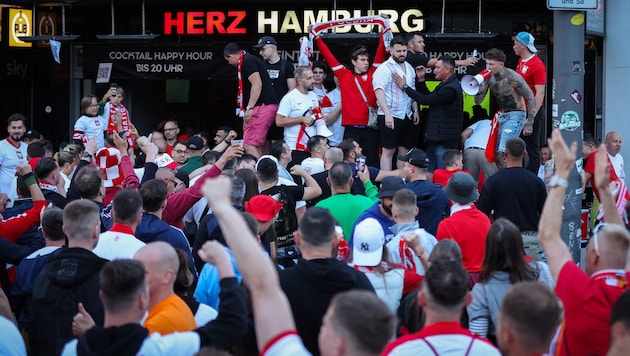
(435, 152)
(510, 125)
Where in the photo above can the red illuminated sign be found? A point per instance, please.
(202, 23)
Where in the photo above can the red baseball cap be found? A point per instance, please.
(263, 207)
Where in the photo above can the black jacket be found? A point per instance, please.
(68, 278)
(446, 111)
(222, 333)
(310, 285)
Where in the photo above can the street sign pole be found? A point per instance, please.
(567, 110)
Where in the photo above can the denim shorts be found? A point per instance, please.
(510, 125)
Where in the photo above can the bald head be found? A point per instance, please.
(613, 143)
(162, 264)
(161, 253)
(613, 242)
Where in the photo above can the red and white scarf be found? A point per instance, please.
(124, 120)
(491, 146)
(48, 186)
(239, 99)
(306, 47)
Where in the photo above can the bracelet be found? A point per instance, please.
(29, 179)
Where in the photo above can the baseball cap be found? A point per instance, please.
(263, 207)
(194, 143)
(389, 186)
(265, 40)
(416, 157)
(368, 243)
(461, 188)
(32, 134)
(527, 39)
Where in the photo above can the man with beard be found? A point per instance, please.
(297, 108)
(397, 122)
(12, 153)
(446, 106)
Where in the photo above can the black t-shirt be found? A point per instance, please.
(279, 72)
(286, 223)
(252, 64)
(417, 59)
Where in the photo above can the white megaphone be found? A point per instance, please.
(470, 84)
(321, 128)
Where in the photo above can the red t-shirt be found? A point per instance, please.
(533, 71)
(441, 338)
(590, 168)
(588, 302)
(354, 111)
(12, 228)
(469, 229)
(441, 176)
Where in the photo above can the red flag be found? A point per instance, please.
(491, 146)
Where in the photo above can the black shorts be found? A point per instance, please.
(404, 134)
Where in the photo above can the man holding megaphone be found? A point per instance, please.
(517, 104)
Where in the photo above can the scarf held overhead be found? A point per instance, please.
(306, 46)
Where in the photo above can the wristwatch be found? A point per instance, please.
(86, 155)
(556, 181)
(248, 108)
(405, 87)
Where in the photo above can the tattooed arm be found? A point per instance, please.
(523, 89)
(483, 89)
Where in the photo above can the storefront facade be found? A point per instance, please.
(182, 74)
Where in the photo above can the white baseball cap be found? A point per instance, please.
(368, 241)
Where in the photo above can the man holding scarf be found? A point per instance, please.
(355, 85)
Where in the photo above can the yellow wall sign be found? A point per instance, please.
(20, 24)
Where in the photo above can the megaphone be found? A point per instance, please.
(321, 128)
(470, 84)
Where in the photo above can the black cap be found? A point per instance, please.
(32, 134)
(265, 41)
(416, 157)
(194, 143)
(389, 186)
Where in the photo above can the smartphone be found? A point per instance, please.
(237, 142)
(359, 163)
(114, 88)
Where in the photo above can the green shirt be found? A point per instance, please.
(346, 208)
(193, 163)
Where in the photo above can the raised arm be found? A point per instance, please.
(311, 190)
(557, 251)
(272, 312)
(332, 62)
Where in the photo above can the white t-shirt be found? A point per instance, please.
(398, 102)
(117, 245)
(481, 132)
(296, 104)
(288, 343)
(337, 129)
(320, 92)
(88, 126)
(316, 165)
(10, 157)
(186, 343)
(617, 163)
